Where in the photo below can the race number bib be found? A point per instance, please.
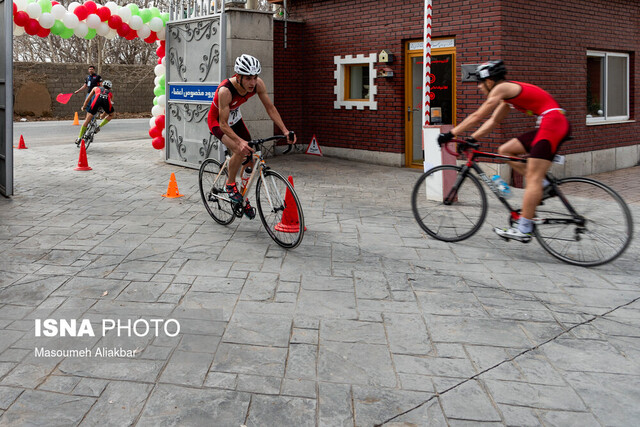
(234, 116)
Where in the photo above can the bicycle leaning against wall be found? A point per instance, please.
(580, 221)
(277, 202)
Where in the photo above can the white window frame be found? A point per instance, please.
(339, 74)
(606, 118)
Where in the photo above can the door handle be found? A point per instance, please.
(409, 111)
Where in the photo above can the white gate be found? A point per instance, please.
(6, 98)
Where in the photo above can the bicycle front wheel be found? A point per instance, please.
(280, 209)
(600, 231)
(89, 133)
(447, 205)
(212, 179)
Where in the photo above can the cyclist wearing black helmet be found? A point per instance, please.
(225, 120)
(552, 128)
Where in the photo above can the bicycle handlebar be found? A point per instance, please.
(257, 142)
(461, 146)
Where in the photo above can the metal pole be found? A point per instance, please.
(286, 16)
(426, 65)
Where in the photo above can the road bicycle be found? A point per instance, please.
(579, 221)
(92, 128)
(277, 202)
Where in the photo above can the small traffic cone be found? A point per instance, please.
(290, 223)
(172, 189)
(76, 122)
(21, 145)
(83, 165)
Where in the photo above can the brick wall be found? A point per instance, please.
(542, 42)
(132, 87)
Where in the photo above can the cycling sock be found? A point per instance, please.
(525, 225)
(545, 182)
(82, 129)
(104, 122)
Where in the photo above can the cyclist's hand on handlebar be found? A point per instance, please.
(443, 138)
(291, 137)
(471, 140)
(245, 149)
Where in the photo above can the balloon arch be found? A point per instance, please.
(44, 17)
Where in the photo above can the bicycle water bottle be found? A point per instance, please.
(503, 187)
(245, 177)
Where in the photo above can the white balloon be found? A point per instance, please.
(70, 20)
(156, 24)
(103, 29)
(124, 13)
(47, 20)
(93, 21)
(72, 6)
(156, 81)
(135, 22)
(152, 122)
(161, 34)
(144, 32)
(164, 133)
(159, 70)
(162, 60)
(162, 100)
(18, 30)
(113, 7)
(34, 10)
(58, 11)
(157, 110)
(21, 4)
(112, 34)
(81, 30)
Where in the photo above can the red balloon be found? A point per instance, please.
(15, 9)
(158, 143)
(152, 38)
(160, 51)
(44, 32)
(104, 13)
(154, 132)
(53, 3)
(160, 122)
(32, 27)
(115, 22)
(91, 7)
(132, 34)
(21, 18)
(162, 42)
(81, 12)
(123, 30)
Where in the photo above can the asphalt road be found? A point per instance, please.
(47, 133)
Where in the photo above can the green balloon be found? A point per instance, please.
(57, 28)
(146, 15)
(135, 10)
(162, 81)
(159, 90)
(45, 5)
(67, 33)
(155, 101)
(165, 17)
(90, 34)
(155, 12)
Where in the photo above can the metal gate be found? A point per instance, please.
(6, 98)
(194, 64)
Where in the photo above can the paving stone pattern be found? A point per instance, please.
(368, 322)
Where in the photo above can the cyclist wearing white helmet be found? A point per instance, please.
(542, 143)
(225, 120)
(100, 97)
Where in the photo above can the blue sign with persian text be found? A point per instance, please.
(191, 93)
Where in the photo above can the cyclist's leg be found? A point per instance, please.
(111, 115)
(86, 122)
(517, 147)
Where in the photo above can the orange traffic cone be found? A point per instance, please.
(76, 122)
(83, 165)
(21, 145)
(172, 189)
(290, 223)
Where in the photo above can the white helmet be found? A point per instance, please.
(247, 65)
(106, 84)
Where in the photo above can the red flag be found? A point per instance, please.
(63, 98)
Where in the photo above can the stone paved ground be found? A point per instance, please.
(368, 322)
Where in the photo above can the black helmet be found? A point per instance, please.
(494, 70)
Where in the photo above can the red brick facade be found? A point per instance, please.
(542, 42)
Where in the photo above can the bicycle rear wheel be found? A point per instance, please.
(449, 221)
(280, 209)
(602, 232)
(89, 133)
(212, 182)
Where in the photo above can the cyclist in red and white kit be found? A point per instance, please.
(225, 120)
(552, 129)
